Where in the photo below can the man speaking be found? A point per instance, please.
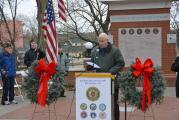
(111, 61)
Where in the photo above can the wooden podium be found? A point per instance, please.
(94, 96)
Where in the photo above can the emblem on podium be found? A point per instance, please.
(93, 115)
(83, 106)
(93, 106)
(93, 93)
(83, 114)
(102, 115)
(102, 107)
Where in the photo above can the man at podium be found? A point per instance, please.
(109, 59)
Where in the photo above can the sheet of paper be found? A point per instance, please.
(92, 64)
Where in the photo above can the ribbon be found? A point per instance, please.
(144, 70)
(45, 71)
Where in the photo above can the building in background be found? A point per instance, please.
(140, 28)
(4, 36)
(73, 45)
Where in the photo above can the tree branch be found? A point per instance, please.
(11, 9)
(7, 26)
(77, 32)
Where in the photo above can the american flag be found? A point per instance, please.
(50, 33)
(61, 10)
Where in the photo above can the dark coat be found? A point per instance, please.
(7, 65)
(108, 59)
(175, 68)
(31, 55)
(62, 62)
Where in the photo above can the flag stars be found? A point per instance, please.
(50, 12)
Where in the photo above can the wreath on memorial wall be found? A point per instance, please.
(43, 83)
(142, 85)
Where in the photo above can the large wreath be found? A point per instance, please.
(31, 85)
(142, 85)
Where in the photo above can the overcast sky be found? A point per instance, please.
(27, 7)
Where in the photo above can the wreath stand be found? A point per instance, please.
(132, 86)
(125, 109)
(132, 112)
(45, 111)
(145, 116)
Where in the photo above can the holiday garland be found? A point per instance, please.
(31, 84)
(142, 85)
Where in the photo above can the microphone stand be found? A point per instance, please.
(125, 107)
(125, 110)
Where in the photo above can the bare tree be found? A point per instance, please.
(84, 16)
(41, 5)
(87, 16)
(30, 26)
(12, 4)
(175, 21)
(2, 5)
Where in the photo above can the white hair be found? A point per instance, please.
(103, 35)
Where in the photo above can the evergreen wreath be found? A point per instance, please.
(31, 85)
(131, 88)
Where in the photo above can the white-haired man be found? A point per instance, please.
(110, 60)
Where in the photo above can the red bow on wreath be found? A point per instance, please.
(45, 71)
(145, 70)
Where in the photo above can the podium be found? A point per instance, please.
(94, 96)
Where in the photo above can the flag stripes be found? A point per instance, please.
(50, 33)
(61, 10)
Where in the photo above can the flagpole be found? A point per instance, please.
(67, 28)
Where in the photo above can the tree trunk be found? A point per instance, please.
(177, 42)
(14, 34)
(41, 5)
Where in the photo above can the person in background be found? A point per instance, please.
(175, 68)
(1, 48)
(110, 60)
(8, 74)
(63, 64)
(33, 54)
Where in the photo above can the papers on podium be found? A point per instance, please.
(92, 64)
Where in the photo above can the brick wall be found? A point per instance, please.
(4, 36)
(70, 79)
(168, 49)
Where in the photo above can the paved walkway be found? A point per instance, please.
(168, 110)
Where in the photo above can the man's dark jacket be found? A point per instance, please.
(109, 60)
(175, 68)
(31, 55)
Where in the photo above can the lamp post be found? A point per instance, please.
(87, 54)
(88, 47)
